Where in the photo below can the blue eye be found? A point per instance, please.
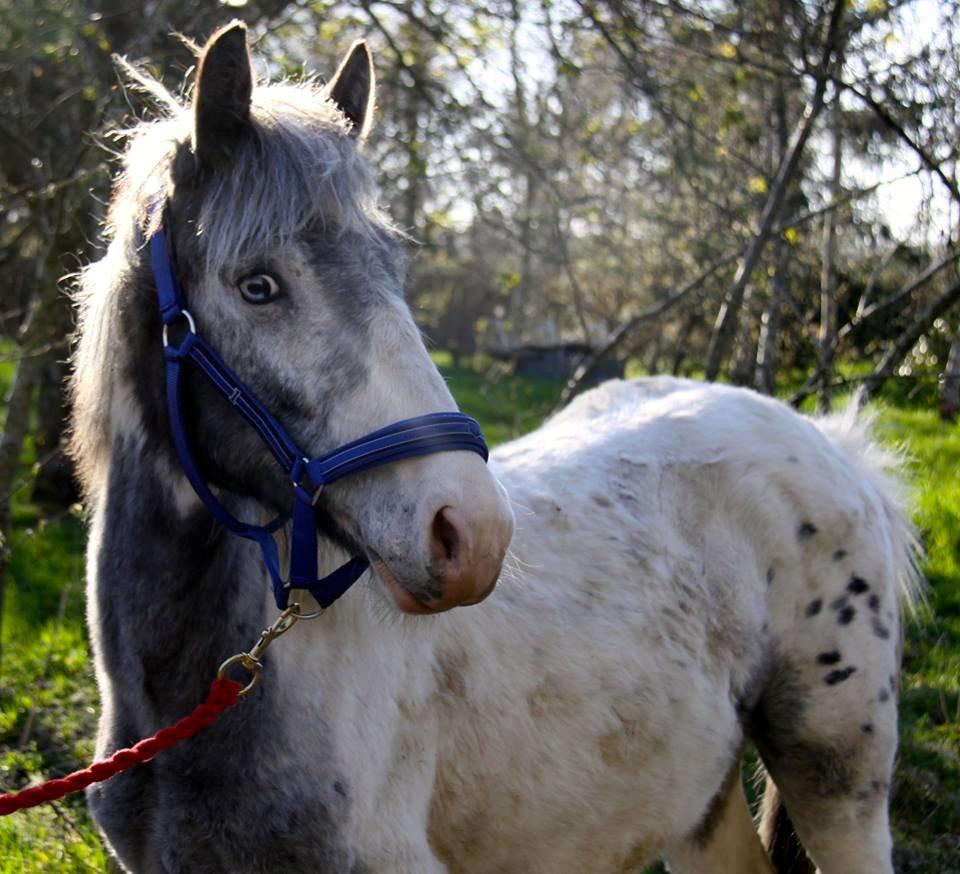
(259, 288)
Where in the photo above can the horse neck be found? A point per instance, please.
(172, 595)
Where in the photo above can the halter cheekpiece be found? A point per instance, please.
(409, 438)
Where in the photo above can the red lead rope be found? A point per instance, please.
(224, 693)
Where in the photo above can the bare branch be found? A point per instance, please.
(902, 294)
(906, 341)
(414, 75)
(884, 115)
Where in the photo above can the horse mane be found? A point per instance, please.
(299, 168)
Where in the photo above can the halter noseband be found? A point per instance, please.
(409, 438)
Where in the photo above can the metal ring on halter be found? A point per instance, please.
(312, 615)
(248, 663)
(191, 325)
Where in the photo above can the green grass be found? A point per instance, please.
(505, 406)
(48, 697)
(926, 805)
(46, 677)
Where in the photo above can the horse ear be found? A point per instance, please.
(352, 89)
(221, 100)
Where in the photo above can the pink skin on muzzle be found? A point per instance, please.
(466, 553)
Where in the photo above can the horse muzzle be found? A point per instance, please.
(464, 552)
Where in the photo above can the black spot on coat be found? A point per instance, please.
(845, 616)
(828, 658)
(806, 531)
(813, 608)
(857, 585)
(839, 675)
(840, 555)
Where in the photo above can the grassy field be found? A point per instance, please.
(48, 700)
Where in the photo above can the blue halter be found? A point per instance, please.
(436, 432)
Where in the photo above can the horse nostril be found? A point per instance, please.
(466, 549)
(446, 536)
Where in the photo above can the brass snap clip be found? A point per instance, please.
(251, 661)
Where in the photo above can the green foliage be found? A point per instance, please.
(46, 675)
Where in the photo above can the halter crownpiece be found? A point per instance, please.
(409, 438)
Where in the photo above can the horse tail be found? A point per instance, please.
(884, 469)
(779, 837)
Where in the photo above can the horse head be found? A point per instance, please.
(296, 278)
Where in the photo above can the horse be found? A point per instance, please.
(684, 569)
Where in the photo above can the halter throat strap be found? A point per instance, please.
(409, 438)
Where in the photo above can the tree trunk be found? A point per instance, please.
(521, 295)
(826, 348)
(766, 372)
(15, 427)
(54, 487)
(656, 348)
(680, 351)
(950, 384)
(745, 349)
(562, 230)
(765, 375)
